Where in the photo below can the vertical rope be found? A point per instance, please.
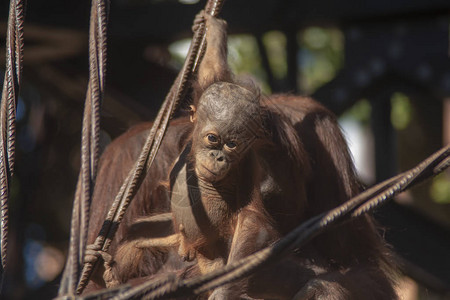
(152, 144)
(89, 147)
(10, 94)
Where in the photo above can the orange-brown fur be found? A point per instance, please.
(308, 168)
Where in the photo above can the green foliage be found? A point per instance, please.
(440, 189)
(360, 111)
(275, 43)
(401, 111)
(244, 57)
(321, 56)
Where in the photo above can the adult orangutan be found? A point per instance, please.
(250, 170)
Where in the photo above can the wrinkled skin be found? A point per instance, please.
(219, 146)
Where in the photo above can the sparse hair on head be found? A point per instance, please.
(245, 82)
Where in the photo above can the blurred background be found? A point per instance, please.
(382, 66)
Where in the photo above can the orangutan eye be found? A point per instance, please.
(212, 138)
(231, 145)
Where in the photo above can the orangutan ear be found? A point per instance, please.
(192, 111)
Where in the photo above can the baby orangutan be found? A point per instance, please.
(251, 170)
(215, 183)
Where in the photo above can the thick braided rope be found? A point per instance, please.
(172, 287)
(10, 94)
(89, 147)
(151, 146)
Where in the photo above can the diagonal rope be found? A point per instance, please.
(89, 147)
(10, 95)
(171, 286)
(152, 144)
